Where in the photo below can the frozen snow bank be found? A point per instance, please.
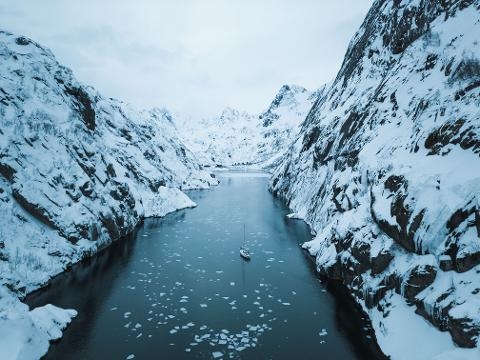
(25, 334)
(165, 201)
(402, 326)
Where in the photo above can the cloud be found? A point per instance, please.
(190, 55)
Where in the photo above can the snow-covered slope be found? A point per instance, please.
(280, 123)
(386, 169)
(239, 138)
(227, 140)
(77, 170)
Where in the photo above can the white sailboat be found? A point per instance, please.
(244, 253)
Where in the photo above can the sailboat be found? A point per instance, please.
(244, 253)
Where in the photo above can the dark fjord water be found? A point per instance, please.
(177, 289)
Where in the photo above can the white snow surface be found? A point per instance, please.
(26, 334)
(77, 171)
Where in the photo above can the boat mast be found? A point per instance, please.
(243, 234)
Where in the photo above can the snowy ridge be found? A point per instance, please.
(280, 124)
(239, 138)
(386, 170)
(77, 171)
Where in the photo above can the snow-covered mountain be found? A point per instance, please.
(227, 140)
(386, 170)
(77, 171)
(239, 138)
(280, 123)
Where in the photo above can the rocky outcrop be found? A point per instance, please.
(386, 167)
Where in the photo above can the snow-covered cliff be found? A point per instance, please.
(280, 123)
(386, 169)
(240, 138)
(77, 171)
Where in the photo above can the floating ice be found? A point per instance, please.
(323, 332)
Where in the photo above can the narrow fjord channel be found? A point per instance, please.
(178, 289)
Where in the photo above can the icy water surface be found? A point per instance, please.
(178, 289)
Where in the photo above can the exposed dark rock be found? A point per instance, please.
(361, 252)
(121, 192)
(22, 41)
(310, 138)
(34, 209)
(74, 195)
(84, 105)
(446, 263)
(380, 262)
(87, 189)
(395, 182)
(7, 171)
(418, 279)
(109, 222)
(111, 170)
(467, 261)
(351, 125)
(463, 333)
(459, 217)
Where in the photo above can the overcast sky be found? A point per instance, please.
(193, 56)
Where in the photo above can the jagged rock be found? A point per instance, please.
(35, 209)
(381, 261)
(418, 279)
(87, 189)
(467, 261)
(446, 263)
(84, 105)
(463, 333)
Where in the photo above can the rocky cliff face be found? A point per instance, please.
(77, 170)
(386, 168)
(239, 138)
